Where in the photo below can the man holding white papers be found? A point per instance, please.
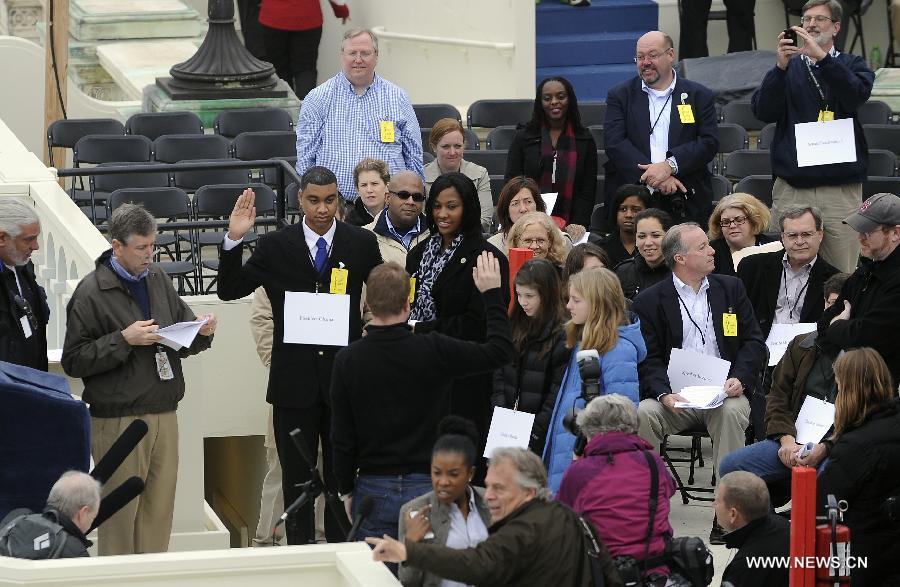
(313, 273)
(815, 82)
(703, 314)
(111, 343)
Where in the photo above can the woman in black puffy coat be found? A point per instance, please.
(531, 382)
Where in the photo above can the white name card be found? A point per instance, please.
(814, 420)
(316, 318)
(509, 428)
(822, 143)
(687, 369)
(781, 335)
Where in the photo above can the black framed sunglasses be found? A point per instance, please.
(404, 195)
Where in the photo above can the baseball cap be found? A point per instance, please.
(878, 210)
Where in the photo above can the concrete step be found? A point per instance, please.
(591, 82)
(552, 18)
(587, 49)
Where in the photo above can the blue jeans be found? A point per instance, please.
(390, 492)
(761, 459)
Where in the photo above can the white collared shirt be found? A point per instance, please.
(698, 333)
(661, 107)
(791, 290)
(464, 532)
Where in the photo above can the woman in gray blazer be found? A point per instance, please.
(454, 514)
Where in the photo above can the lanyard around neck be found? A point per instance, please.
(815, 83)
(691, 317)
(787, 297)
(661, 110)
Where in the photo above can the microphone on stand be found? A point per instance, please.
(117, 499)
(119, 451)
(364, 511)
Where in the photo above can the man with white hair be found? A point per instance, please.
(358, 114)
(23, 303)
(532, 539)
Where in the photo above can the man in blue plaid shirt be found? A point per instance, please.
(357, 114)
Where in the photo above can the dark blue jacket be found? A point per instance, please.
(789, 97)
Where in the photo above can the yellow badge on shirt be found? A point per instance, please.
(729, 324)
(686, 113)
(338, 281)
(412, 289)
(826, 115)
(387, 131)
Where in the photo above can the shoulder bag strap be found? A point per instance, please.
(653, 503)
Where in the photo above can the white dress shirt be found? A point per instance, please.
(464, 532)
(791, 290)
(660, 104)
(698, 333)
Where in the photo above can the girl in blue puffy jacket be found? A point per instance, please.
(599, 323)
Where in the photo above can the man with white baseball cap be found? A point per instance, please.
(868, 311)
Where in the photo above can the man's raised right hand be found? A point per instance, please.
(243, 217)
(486, 272)
(142, 333)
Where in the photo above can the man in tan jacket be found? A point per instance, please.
(401, 226)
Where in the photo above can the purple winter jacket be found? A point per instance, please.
(610, 487)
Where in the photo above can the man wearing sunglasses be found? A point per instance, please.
(813, 81)
(23, 303)
(401, 225)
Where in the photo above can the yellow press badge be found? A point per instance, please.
(826, 115)
(412, 289)
(729, 324)
(338, 281)
(686, 113)
(387, 131)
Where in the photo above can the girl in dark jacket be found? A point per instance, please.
(558, 152)
(531, 382)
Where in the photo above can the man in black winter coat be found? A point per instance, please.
(742, 509)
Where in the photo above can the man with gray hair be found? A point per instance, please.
(357, 114)
(23, 303)
(532, 540)
(705, 314)
(742, 507)
(111, 343)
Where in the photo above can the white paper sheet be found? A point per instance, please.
(822, 143)
(311, 318)
(816, 417)
(549, 201)
(180, 335)
(687, 368)
(508, 428)
(701, 397)
(738, 256)
(781, 335)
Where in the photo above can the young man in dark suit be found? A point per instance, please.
(662, 131)
(314, 255)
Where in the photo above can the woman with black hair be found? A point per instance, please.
(648, 267)
(530, 383)
(558, 152)
(621, 244)
(454, 514)
(446, 299)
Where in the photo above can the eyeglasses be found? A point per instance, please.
(737, 221)
(819, 19)
(404, 195)
(538, 242)
(793, 236)
(363, 55)
(648, 57)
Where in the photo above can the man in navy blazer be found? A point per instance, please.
(662, 130)
(301, 258)
(690, 311)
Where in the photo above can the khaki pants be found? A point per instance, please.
(725, 424)
(145, 523)
(840, 247)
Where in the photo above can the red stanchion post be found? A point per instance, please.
(517, 258)
(803, 525)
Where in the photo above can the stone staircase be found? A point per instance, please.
(591, 46)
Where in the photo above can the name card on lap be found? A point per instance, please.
(316, 318)
(509, 428)
(781, 335)
(687, 369)
(814, 420)
(823, 143)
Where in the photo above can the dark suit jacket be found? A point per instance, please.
(14, 347)
(626, 134)
(761, 275)
(524, 158)
(300, 375)
(660, 313)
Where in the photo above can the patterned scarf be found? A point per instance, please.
(566, 158)
(433, 262)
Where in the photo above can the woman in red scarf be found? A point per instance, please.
(557, 152)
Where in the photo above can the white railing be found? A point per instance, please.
(383, 33)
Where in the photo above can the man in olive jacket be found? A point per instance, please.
(111, 343)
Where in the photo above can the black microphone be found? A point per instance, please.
(364, 511)
(119, 451)
(117, 499)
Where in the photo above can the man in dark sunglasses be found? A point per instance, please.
(401, 226)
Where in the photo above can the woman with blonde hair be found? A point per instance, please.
(863, 466)
(737, 222)
(538, 232)
(599, 327)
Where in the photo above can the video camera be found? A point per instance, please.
(589, 367)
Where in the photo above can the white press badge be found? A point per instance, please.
(163, 365)
(26, 326)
